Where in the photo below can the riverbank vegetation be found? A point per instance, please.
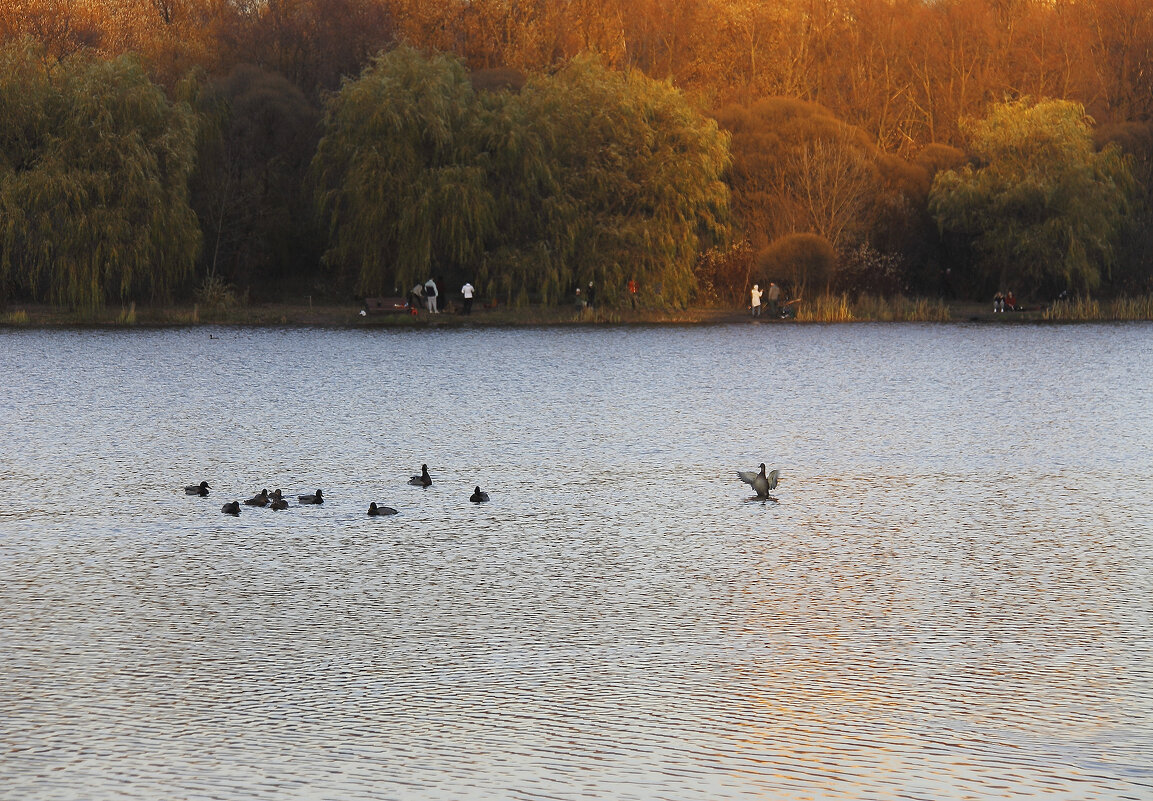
(1092, 309)
(224, 157)
(822, 309)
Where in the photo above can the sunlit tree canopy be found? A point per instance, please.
(1043, 204)
(584, 175)
(840, 113)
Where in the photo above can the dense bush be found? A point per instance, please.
(800, 262)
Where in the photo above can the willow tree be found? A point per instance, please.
(638, 173)
(403, 184)
(1041, 204)
(94, 167)
(586, 174)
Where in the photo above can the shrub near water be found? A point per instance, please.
(216, 293)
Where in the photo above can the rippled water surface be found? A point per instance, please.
(950, 600)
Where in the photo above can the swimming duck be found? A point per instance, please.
(231, 508)
(760, 482)
(423, 480)
(276, 495)
(317, 498)
(259, 499)
(376, 511)
(200, 489)
(478, 496)
(278, 504)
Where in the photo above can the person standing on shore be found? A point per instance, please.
(467, 291)
(415, 295)
(633, 292)
(774, 299)
(591, 296)
(755, 295)
(430, 296)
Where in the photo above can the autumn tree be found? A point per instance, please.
(61, 27)
(94, 167)
(170, 38)
(1116, 81)
(1041, 205)
(797, 168)
(313, 43)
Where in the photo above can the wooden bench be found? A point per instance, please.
(385, 305)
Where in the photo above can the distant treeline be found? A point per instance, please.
(160, 150)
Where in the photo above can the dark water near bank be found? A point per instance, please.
(951, 599)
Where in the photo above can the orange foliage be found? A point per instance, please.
(62, 26)
(904, 71)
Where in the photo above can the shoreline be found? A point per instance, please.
(349, 315)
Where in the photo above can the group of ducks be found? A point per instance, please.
(761, 482)
(275, 500)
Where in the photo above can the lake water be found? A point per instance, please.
(950, 600)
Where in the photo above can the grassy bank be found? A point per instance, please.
(824, 309)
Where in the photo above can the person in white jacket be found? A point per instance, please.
(756, 297)
(430, 296)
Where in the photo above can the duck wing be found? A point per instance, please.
(758, 482)
(773, 477)
(749, 477)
